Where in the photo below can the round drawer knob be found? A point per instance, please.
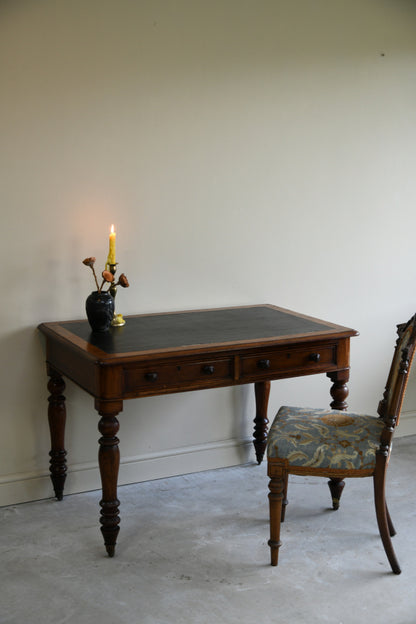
(151, 376)
(315, 357)
(263, 364)
(208, 369)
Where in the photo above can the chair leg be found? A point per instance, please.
(392, 530)
(276, 487)
(336, 486)
(384, 522)
(285, 502)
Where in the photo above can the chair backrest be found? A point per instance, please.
(391, 404)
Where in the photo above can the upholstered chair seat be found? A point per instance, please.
(325, 439)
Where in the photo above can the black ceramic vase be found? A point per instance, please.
(100, 310)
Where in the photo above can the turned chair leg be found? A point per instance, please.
(284, 501)
(276, 487)
(336, 486)
(384, 522)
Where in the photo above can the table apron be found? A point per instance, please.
(119, 380)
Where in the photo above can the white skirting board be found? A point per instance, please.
(26, 487)
(407, 425)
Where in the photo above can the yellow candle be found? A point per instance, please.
(112, 251)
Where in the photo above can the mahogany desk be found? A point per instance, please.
(157, 354)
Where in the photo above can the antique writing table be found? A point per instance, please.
(157, 354)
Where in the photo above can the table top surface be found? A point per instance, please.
(195, 329)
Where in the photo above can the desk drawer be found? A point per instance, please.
(316, 357)
(201, 373)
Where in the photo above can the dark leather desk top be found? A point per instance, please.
(167, 331)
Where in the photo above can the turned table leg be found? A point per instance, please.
(339, 392)
(57, 419)
(262, 391)
(339, 389)
(109, 462)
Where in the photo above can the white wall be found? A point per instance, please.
(247, 151)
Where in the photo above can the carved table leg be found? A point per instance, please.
(57, 419)
(262, 391)
(109, 462)
(339, 392)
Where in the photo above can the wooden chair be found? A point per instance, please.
(338, 444)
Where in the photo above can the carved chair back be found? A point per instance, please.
(390, 406)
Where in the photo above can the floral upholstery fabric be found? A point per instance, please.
(324, 438)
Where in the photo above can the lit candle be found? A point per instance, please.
(112, 251)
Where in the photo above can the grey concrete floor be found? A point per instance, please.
(193, 549)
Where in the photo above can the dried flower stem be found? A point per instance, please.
(96, 281)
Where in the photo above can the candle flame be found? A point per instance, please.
(112, 229)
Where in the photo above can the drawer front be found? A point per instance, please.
(315, 357)
(201, 373)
